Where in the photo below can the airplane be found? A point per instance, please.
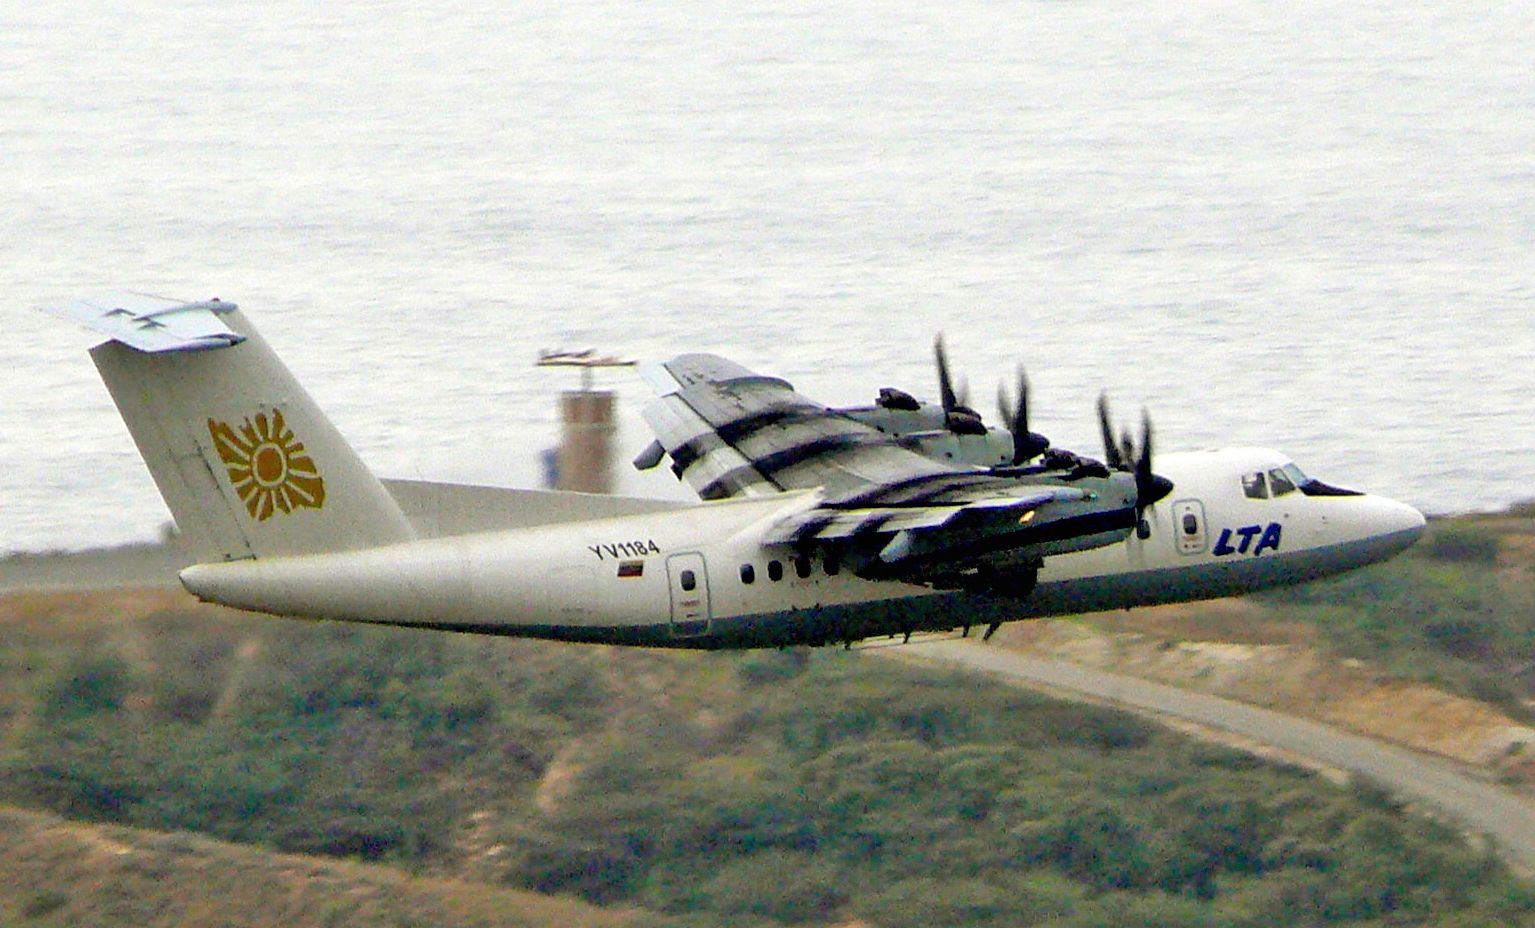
(816, 526)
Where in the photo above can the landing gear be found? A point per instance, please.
(1012, 582)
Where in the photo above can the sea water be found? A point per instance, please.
(1306, 227)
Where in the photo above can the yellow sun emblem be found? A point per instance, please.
(267, 466)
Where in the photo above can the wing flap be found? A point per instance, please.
(730, 432)
(825, 523)
(711, 467)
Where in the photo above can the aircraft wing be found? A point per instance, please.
(731, 432)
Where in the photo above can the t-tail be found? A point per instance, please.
(246, 462)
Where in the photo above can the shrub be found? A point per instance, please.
(1462, 542)
(923, 902)
(89, 684)
(722, 820)
(763, 668)
(1101, 847)
(971, 776)
(600, 871)
(787, 886)
(1290, 897)
(44, 903)
(1144, 910)
(856, 779)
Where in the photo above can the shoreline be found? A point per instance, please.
(147, 563)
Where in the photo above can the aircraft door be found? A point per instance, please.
(690, 594)
(1189, 526)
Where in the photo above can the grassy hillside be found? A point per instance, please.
(58, 872)
(765, 788)
(1456, 611)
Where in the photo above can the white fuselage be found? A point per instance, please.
(700, 577)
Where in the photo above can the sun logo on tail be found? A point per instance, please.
(268, 466)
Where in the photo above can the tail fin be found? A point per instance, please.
(247, 463)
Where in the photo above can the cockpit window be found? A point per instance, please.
(1311, 486)
(1254, 486)
(1281, 482)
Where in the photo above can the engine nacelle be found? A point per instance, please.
(931, 432)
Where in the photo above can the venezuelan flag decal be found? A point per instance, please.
(267, 465)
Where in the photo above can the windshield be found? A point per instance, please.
(1308, 485)
(1281, 482)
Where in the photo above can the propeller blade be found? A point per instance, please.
(1020, 422)
(1143, 472)
(946, 395)
(1027, 445)
(1111, 452)
(958, 417)
(1150, 487)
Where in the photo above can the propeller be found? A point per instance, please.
(1026, 444)
(957, 414)
(952, 400)
(1150, 487)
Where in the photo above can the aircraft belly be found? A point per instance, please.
(818, 625)
(1206, 579)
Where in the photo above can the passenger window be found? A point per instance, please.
(688, 581)
(802, 567)
(1254, 486)
(775, 571)
(1190, 524)
(748, 574)
(1281, 483)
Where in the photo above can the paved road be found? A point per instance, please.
(1480, 806)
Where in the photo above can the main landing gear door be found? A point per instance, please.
(1189, 526)
(690, 595)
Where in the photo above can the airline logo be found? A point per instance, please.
(1268, 540)
(267, 465)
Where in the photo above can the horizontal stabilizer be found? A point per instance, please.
(153, 323)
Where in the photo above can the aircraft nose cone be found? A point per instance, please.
(1410, 519)
(1401, 523)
